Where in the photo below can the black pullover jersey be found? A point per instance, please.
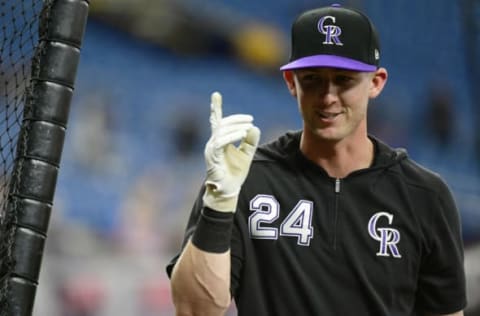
(385, 240)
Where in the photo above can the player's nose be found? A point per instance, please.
(327, 92)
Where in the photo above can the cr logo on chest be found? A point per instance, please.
(387, 237)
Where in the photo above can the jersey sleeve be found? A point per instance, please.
(441, 284)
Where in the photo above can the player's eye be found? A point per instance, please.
(310, 78)
(344, 79)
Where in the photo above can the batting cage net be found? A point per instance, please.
(20, 37)
(39, 52)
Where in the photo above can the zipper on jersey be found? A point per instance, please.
(337, 185)
(335, 211)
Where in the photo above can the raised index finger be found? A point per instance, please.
(215, 110)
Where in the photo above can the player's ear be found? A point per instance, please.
(288, 76)
(379, 79)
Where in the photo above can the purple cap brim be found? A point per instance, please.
(329, 61)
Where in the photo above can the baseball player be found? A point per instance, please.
(328, 220)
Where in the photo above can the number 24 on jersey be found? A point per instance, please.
(266, 211)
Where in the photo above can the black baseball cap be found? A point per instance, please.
(334, 36)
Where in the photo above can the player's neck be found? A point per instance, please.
(341, 158)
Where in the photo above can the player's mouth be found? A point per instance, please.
(328, 116)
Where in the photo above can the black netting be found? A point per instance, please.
(20, 21)
(19, 38)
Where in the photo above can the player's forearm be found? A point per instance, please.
(201, 276)
(201, 282)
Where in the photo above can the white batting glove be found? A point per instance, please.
(227, 165)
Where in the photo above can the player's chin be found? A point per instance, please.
(330, 134)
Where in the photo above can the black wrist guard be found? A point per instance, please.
(214, 231)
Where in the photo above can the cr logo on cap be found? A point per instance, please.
(331, 32)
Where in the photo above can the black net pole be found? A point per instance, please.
(40, 147)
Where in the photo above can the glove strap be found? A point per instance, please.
(214, 231)
(220, 203)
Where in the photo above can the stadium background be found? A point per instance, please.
(133, 161)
